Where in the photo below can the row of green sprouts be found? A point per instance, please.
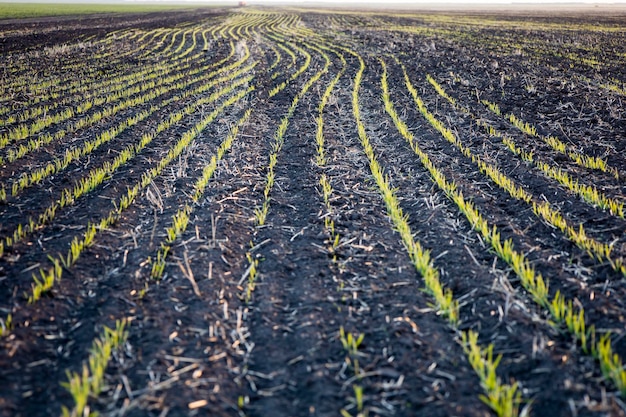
(128, 98)
(180, 220)
(278, 140)
(503, 398)
(53, 275)
(565, 312)
(543, 209)
(99, 175)
(46, 278)
(235, 81)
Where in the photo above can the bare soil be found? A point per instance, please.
(194, 335)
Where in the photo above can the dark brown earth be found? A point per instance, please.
(197, 345)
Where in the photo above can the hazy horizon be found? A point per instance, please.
(364, 2)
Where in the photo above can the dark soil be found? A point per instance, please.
(198, 343)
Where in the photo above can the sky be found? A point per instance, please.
(417, 2)
(562, 3)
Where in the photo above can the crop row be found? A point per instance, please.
(150, 124)
(36, 176)
(132, 97)
(57, 86)
(577, 234)
(93, 179)
(181, 218)
(90, 92)
(561, 309)
(53, 275)
(84, 385)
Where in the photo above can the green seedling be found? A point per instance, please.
(350, 342)
(6, 325)
(90, 381)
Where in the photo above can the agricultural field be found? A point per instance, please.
(14, 10)
(289, 212)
